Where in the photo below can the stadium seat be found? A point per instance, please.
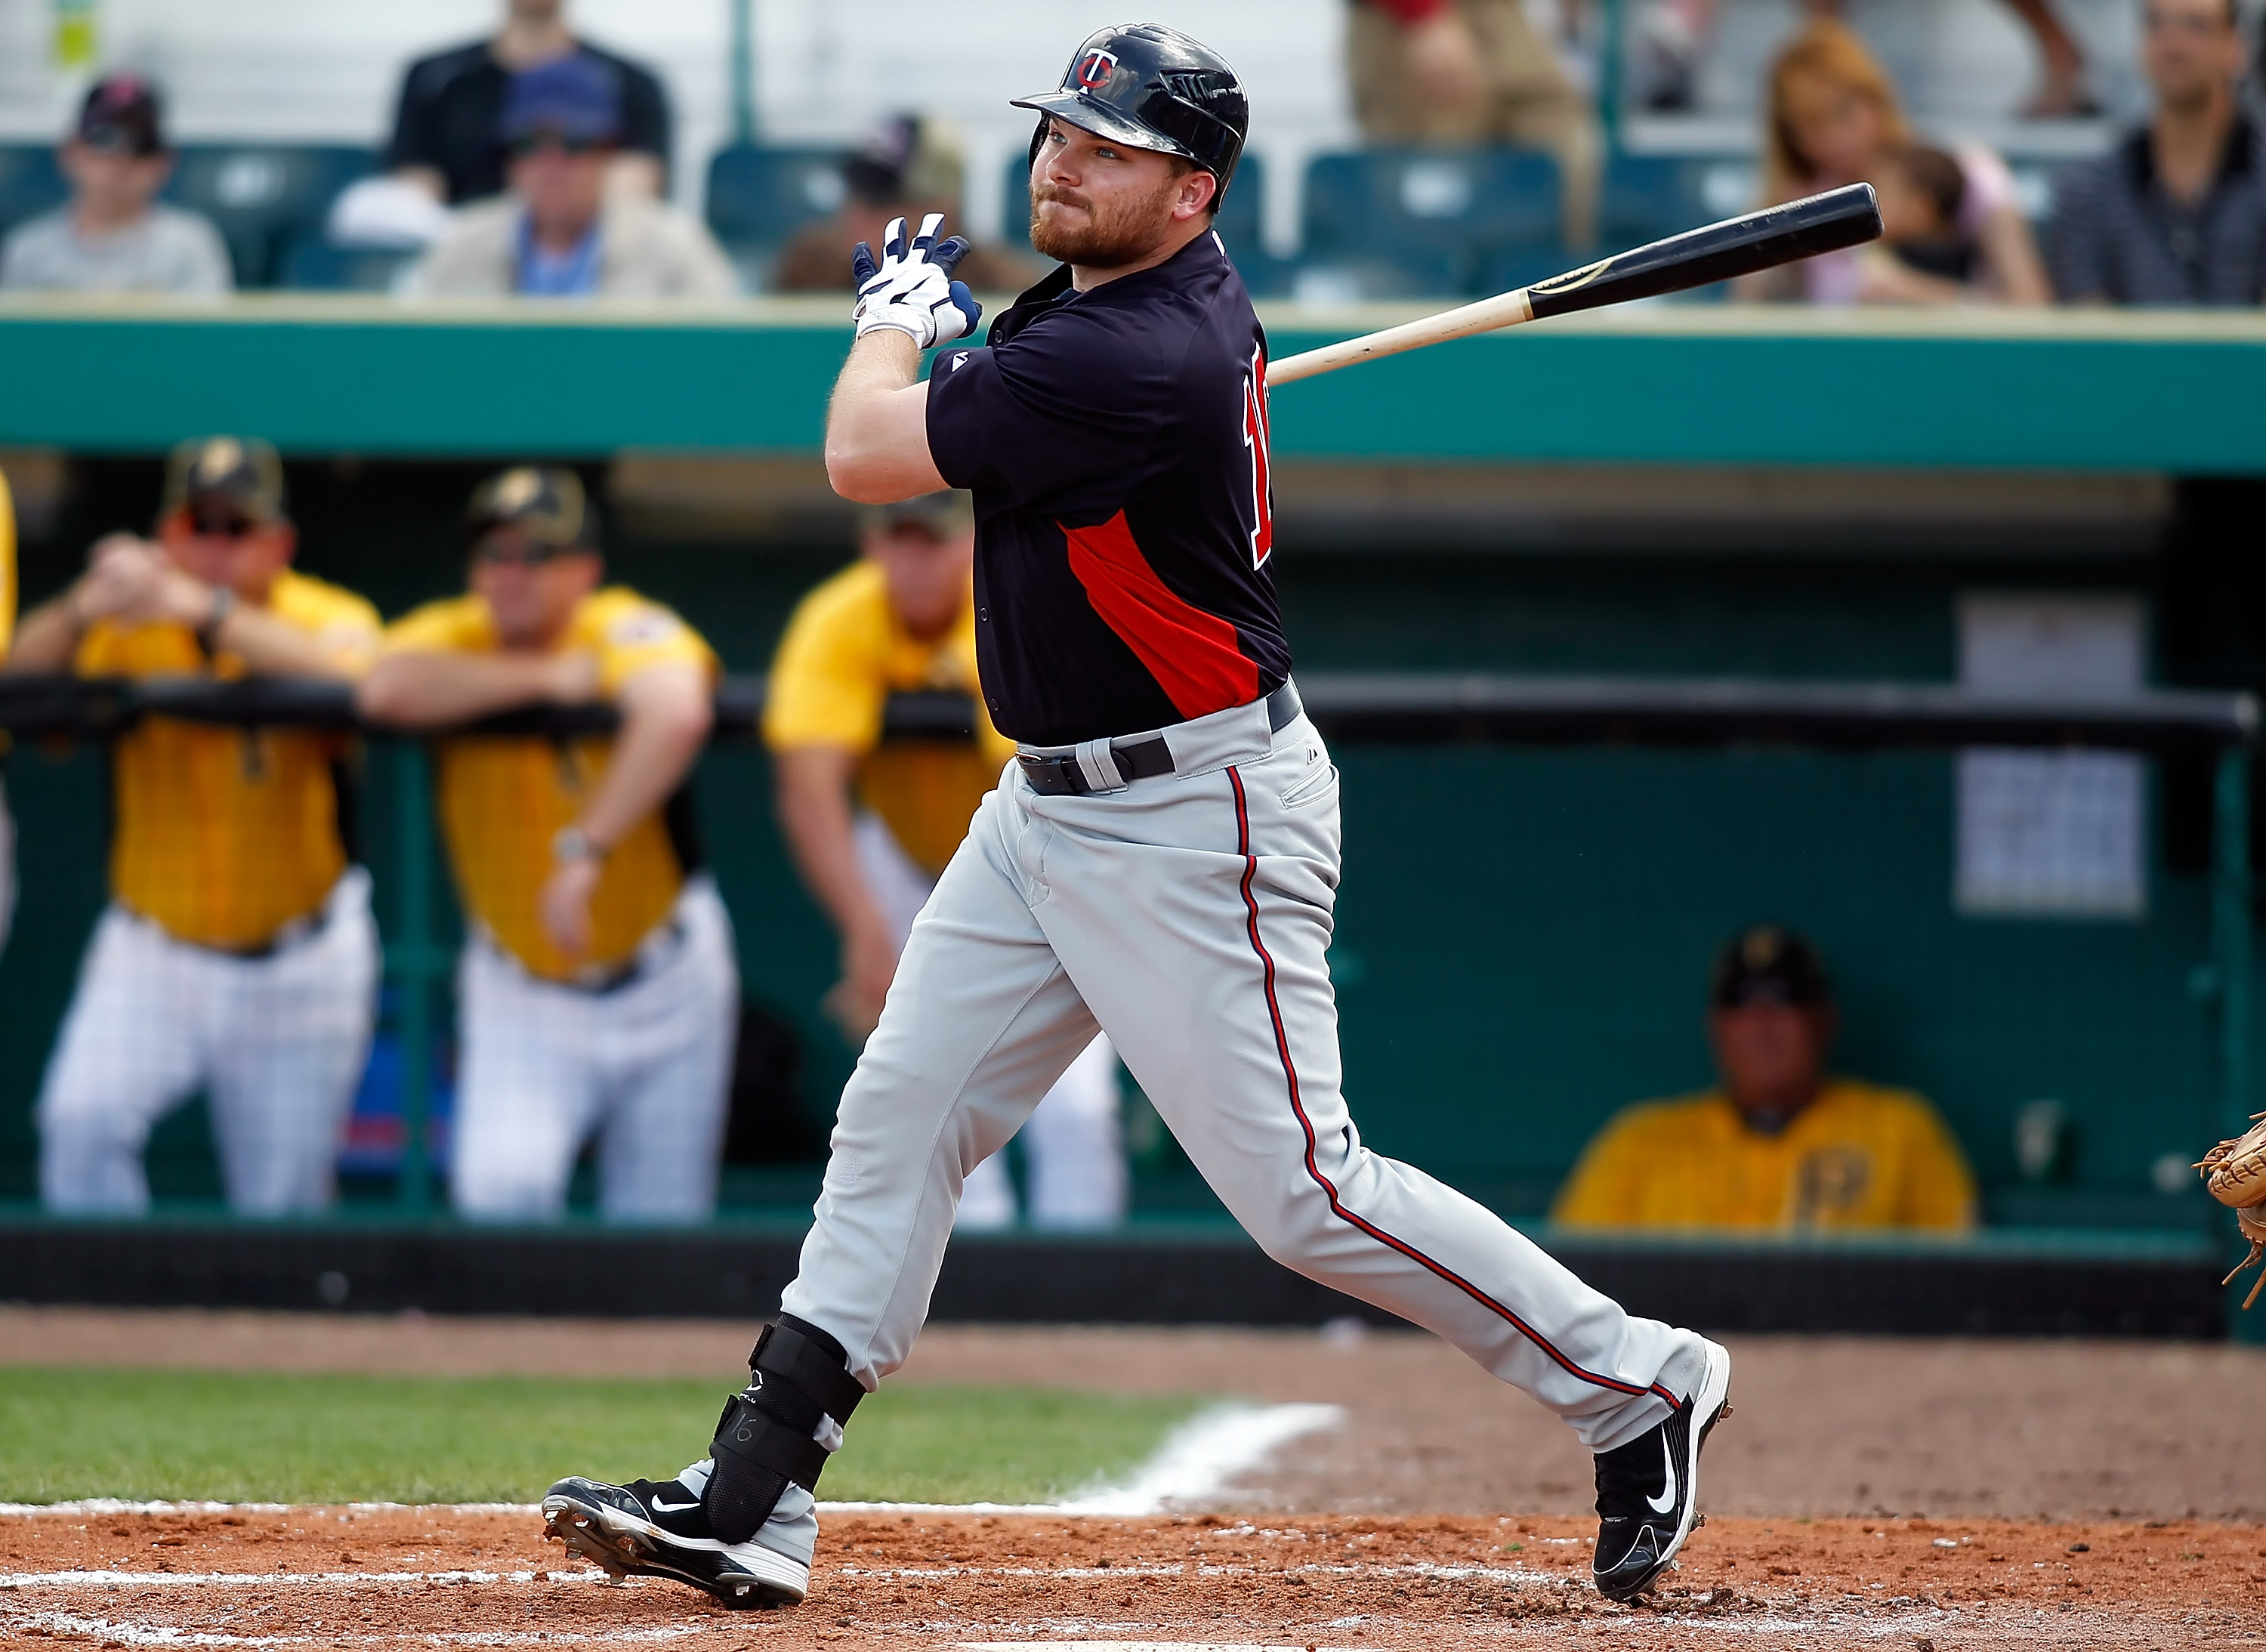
(29, 183)
(1646, 197)
(311, 264)
(758, 198)
(1403, 222)
(1263, 274)
(262, 197)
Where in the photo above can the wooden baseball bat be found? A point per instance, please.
(1736, 246)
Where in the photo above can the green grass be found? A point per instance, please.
(240, 1437)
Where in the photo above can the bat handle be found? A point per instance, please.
(1505, 310)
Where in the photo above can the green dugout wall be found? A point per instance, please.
(1523, 930)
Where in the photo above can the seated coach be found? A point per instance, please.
(598, 994)
(1780, 1143)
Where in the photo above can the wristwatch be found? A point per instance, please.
(571, 843)
(223, 604)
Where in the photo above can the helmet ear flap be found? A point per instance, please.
(1038, 137)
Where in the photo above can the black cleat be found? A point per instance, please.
(661, 1530)
(1647, 1490)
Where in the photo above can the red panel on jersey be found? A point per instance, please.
(1194, 655)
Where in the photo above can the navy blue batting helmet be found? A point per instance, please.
(1153, 88)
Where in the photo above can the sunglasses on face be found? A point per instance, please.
(221, 524)
(502, 553)
(540, 142)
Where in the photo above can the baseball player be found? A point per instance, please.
(597, 991)
(238, 955)
(1159, 860)
(903, 617)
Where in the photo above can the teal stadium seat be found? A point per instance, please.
(264, 197)
(1238, 222)
(29, 183)
(1408, 223)
(311, 264)
(758, 198)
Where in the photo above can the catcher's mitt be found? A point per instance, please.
(2235, 1173)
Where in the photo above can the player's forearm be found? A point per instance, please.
(432, 691)
(877, 423)
(45, 637)
(270, 647)
(813, 791)
(666, 711)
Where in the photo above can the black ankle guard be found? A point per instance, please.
(764, 1440)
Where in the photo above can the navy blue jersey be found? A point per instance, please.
(1116, 444)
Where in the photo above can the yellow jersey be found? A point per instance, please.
(843, 656)
(223, 835)
(502, 799)
(1857, 1157)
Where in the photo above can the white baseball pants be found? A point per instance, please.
(647, 1067)
(1073, 1144)
(1188, 914)
(276, 1044)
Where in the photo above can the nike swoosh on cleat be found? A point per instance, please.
(659, 1506)
(1660, 1504)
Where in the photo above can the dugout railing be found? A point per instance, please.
(1998, 1277)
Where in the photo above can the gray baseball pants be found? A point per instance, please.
(1189, 916)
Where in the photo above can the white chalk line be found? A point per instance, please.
(133, 1634)
(1195, 1461)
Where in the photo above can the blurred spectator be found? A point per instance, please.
(598, 991)
(1474, 72)
(1833, 119)
(1780, 1143)
(113, 235)
(447, 134)
(1670, 37)
(237, 956)
(1924, 254)
(910, 165)
(872, 825)
(2176, 214)
(559, 233)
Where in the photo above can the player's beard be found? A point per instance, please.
(1111, 236)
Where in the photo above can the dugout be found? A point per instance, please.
(1536, 878)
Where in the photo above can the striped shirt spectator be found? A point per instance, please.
(2176, 214)
(2121, 237)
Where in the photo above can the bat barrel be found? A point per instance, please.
(1843, 217)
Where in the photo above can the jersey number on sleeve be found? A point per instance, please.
(1254, 438)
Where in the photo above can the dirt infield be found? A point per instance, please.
(1826, 1426)
(1923, 1496)
(402, 1578)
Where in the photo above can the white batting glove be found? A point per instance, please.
(911, 289)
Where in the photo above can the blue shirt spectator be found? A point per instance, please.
(559, 232)
(2176, 214)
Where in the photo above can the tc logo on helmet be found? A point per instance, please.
(1094, 69)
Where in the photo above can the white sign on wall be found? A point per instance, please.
(2051, 833)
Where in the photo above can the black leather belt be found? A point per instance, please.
(1140, 759)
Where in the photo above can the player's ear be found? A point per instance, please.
(1197, 190)
(285, 538)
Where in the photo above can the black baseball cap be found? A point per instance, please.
(121, 116)
(225, 484)
(946, 513)
(545, 502)
(1767, 964)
